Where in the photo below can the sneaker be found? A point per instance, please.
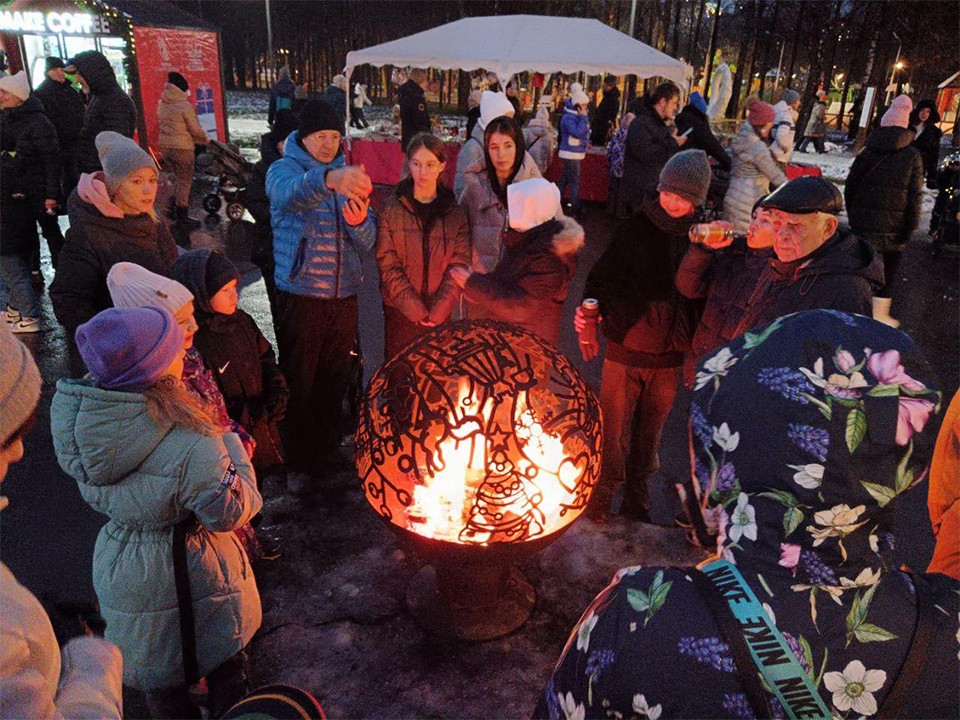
(25, 325)
(271, 545)
(12, 315)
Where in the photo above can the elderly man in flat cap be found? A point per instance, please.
(817, 265)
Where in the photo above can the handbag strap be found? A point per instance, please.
(758, 647)
(915, 661)
(181, 578)
(747, 669)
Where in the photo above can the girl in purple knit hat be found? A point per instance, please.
(175, 586)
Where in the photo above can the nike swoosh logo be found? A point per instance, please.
(221, 369)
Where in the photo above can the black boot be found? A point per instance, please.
(185, 221)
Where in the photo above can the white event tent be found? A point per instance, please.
(510, 44)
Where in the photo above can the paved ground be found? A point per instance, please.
(335, 620)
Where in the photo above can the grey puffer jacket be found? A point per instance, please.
(488, 216)
(541, 143)
(470, 152)
(754, 170)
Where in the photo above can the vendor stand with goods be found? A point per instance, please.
(493, 44)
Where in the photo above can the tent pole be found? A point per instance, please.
(348, 71)
(273, 64)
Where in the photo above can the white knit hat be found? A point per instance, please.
(16, 85)
(578, 96)
(532, 202)
(492, 106)
(131, 285)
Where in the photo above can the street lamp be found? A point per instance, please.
(897, 65)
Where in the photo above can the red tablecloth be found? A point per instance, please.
(383, 161)
(594, 176)
(795, 170)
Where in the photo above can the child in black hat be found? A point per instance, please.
(240, 357)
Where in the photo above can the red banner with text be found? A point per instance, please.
(195, 55)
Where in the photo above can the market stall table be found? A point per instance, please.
(594, 174)
(383, 159)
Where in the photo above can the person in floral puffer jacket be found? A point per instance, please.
(805, 434)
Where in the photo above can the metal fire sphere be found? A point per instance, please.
(479, 433)
(479, 443)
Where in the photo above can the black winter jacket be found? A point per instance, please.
(604, 118)
(254, 198)
(414, 117)
(31, 154)
(109, 108)
(927, 142)
(242, 362)
(94, 244)
(840, 275)
(725, 279)
(64, 107)
(649, 145)
(883, 192)
(701, 136)
(529, 284)
(647, 322)
(29, 174)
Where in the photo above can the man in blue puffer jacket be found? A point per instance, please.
(321, 224)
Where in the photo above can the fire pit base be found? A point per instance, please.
(470, 602)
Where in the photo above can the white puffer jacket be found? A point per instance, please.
(41, 681)
(753, 171)
(784, 132)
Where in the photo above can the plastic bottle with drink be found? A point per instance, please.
(589, 335)
(713, 235)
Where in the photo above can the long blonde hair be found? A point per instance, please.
(169, 403)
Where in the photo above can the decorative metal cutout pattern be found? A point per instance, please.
(479, 433)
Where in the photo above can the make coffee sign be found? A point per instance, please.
(71, 23)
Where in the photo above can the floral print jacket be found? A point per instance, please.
(804, 434)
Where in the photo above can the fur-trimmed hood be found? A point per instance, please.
(569, 238)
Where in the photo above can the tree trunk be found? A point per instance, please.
(675, 43)
(768, 43)
(692, 49)
(836, 27)
(796, 40)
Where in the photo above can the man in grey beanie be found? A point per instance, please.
(784, 129)
(648, 326)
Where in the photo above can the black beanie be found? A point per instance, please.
(318, 115)
(178, 80)
(52, 63)
(219, 271)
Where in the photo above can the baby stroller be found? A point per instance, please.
(944, 221)
(232, 171)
